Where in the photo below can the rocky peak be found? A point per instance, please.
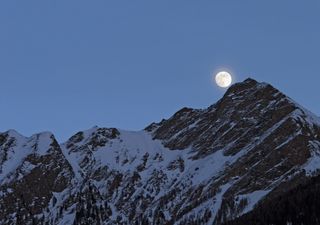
(248, 84)
(92, 138)
(247, 109)
(31, 170)
(13, 133)
(249, 93)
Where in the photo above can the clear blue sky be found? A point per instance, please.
(68, 65)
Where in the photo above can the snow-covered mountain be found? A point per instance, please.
(201, 166)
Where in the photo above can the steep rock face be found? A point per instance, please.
(32, 169)
(197, 167)
(246, 112)
(272, 137)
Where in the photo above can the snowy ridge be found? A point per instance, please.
(14, 155)
(197, 167)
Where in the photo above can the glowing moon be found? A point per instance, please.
(223, 79)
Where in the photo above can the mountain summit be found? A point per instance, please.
(201, 166)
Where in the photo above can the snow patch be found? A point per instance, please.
(252, 199)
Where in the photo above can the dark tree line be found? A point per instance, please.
(88, 212)
(299, 206)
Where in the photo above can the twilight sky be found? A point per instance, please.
(68, 65)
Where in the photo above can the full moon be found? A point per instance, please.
(223, 79)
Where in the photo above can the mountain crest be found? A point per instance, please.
(201, 165)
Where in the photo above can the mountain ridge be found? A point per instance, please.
(247, 80)
(200, 166)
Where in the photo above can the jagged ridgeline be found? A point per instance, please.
(201, 166)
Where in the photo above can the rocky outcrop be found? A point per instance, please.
(32, 170)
